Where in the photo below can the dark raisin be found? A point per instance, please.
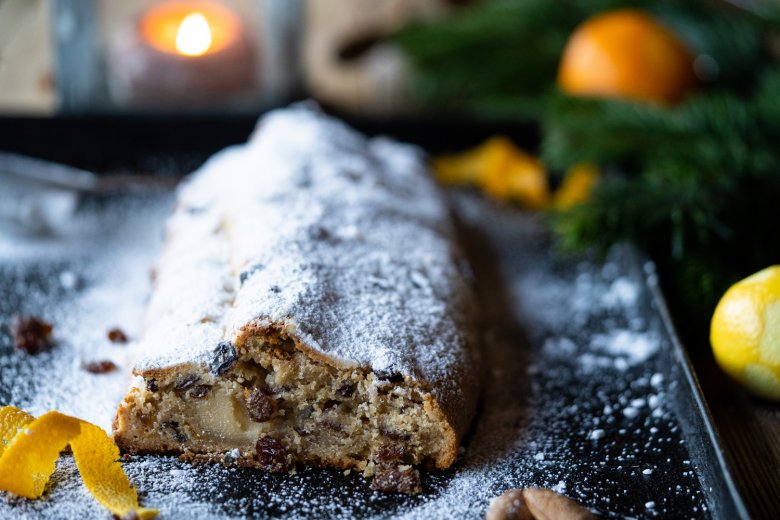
(260, 406)
(178, 435)
(346, 389)
(225, 356)
(99, 367)
(272, 455)
(396, 480)
(151, 385)
(30, 334)
(276, 289)
(185, 384)
(199, 391)
(390, 452)
(389, 375)
(330, 403)
(117, 335)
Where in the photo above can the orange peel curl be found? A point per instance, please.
(30, 447)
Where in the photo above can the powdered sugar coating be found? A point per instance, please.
(344, 240)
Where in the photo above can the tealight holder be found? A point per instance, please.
(176, 55)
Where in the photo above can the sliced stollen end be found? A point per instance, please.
(311, 306)
(279, 402)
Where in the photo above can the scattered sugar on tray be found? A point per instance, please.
(596, 434)
(69, 280)
(560, 346)
(622, 292)
(629, 346)
(560, 487)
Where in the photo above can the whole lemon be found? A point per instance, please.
(745, 332)
(626, 54)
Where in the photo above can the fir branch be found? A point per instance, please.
(698, 187)
(499, 58)
(698, 184)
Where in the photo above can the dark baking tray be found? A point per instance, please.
(505, 245)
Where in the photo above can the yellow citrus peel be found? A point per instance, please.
(508, 173)
(30, 447)
(500, 169)
(576, 186)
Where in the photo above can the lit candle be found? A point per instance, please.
(183, 53)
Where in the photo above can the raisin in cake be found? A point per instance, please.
(311, 306)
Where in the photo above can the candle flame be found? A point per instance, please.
(194, 35)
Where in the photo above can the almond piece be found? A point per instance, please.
(546, 504)
(510, 505)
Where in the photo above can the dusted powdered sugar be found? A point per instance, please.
(344, 240)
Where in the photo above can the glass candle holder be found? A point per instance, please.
(174, 55)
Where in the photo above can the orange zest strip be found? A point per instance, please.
(500, 169)
(31, 447)
(11, 419)
(28, 460)
(576, 186)
(97, 459)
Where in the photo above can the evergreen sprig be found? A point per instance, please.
(697, 185)
(496, 59)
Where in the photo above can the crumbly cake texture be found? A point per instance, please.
(311, 306)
